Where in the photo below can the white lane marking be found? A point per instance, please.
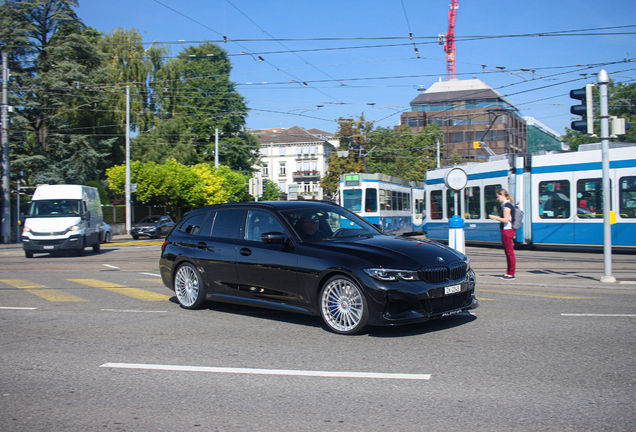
(600, 315)
(111, 266)
(17, 308)
(150, 274)
(131, 311)
(328, 374)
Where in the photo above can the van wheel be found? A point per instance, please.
(28, 254)
(96, 247)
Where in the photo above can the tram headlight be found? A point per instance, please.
(392, 274)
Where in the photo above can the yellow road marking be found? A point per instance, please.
(159, 281)
(42, 291)
(122, 289)
(533, 294)
(486, 299)
(135, 243)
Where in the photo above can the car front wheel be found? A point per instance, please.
(343, 306)
(188, 287)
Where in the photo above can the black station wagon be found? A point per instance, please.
(313, 257)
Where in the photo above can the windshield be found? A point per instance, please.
(150, 219)
(55, 208)
(352, 199)
(327, 223)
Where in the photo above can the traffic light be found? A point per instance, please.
(585, 109)
(265, 186)
(251, 189)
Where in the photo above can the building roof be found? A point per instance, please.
(320, 133)
(457, 90)
(294, 134)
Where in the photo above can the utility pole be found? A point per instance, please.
(216, 148)
(128, 212)
(6, 175)
(603, 79)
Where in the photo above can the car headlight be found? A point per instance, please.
(392, 274)
(74, 228)
(27, 229)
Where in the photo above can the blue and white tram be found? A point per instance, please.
(560, 193)
(477, 199)
(393, 203)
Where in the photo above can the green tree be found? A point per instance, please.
(54, 68)
(402, 153)
(330, 183)
(271, 191)
(194, 98)
(175, 184)
(455, 158)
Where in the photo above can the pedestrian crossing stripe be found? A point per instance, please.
(134, 243)
(42, 291)
(122, 289)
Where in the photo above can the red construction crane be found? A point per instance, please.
(449, 45)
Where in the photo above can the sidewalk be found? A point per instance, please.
(535, 267)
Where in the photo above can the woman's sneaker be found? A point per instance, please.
(507, 277)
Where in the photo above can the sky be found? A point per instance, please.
(324, 60)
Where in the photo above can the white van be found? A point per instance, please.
(63, 218)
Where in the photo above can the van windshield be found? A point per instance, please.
(55, 208)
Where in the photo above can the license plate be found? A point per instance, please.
(452, 289)
(48, 247)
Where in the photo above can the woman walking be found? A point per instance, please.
(507, 233)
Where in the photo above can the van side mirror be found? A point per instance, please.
(87, 215)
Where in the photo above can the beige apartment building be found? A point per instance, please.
(469, 111)
(295, 156)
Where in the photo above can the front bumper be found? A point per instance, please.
(74, 242)
(150, 232)
(407, 302)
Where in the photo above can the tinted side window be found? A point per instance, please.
(193, 224)
(227, 224)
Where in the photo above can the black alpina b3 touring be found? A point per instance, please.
(315, 258)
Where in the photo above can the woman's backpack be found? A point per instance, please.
(517, 218)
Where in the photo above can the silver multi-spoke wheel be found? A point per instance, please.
(343, 306)
(187, 287)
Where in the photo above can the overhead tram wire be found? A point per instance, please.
(249, 51)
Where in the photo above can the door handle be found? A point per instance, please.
(246, 252)
(202, 245)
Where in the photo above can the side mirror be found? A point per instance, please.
(273, 238)
(379, 227)
(87, 216)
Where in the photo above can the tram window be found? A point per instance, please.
(436, 204)
(554, 199)
(589, 198)
(627, 198)
(352, 199)
(491, 204)
(371, 200)
(473, 202)
(385, 200)
(407, 201)
(450, 203)
(394, 200)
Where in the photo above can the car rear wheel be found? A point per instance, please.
(343, 306)
(188, 287)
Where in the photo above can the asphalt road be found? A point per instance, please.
(96, 343)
